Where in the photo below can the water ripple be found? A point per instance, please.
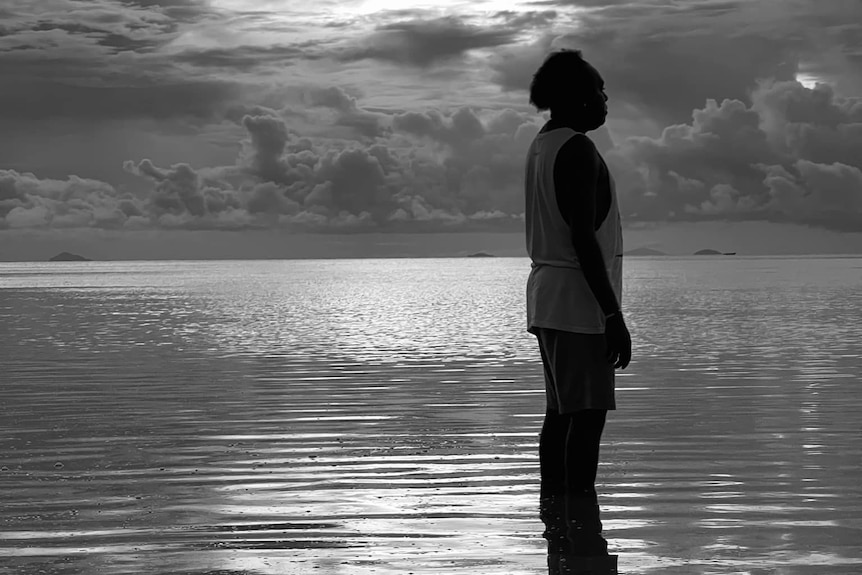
(334, 417)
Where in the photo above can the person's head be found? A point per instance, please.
(570, 88)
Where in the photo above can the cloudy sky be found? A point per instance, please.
(287, 128)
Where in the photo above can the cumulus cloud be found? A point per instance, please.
(462, 174)
(787, 154)
(27, 201)
(443, 175)
(264, 154)
(346, 113)
(825, 195)
(763, 160)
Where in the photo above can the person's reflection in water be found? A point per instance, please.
(574, 239)
(570, 512)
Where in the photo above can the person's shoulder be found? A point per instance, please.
(579, 147)
(580, 140)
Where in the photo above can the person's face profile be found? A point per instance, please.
(590, 102)
(596, 99)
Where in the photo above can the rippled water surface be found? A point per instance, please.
(381, 416)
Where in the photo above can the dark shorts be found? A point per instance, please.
(577, 373)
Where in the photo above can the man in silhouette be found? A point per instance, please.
(574, 239)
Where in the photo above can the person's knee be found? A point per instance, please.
(597, 416)
(555, 423)
(593, 422)
(587, 422)
(553, 414)
(586, 414)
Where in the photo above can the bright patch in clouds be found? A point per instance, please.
(807, 80)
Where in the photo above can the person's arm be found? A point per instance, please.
(576, 174)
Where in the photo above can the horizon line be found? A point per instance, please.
(466, 256)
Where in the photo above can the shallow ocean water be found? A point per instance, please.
(382, 416)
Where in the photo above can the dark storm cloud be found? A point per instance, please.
(666, 58)
(100, 60)
(425, 42)
(531, 19)
(40, 100)
(115, 41)
(663, 74)
(100, 23)
(247, 58)
(121, 43)
(180, 10)
(670, 75)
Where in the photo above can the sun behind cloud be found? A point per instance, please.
(810, 81)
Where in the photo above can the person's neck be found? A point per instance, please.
(566, 121)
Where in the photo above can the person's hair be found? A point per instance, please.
(563, 74)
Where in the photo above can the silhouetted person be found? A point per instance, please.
(574, 239)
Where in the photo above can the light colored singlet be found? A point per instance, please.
(558, 295)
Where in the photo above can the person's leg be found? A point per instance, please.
(574, 378)
(552, 451)
(552, 501)
(583, 442)
(552, 459)
(555, 427)
(581, 502)
(586, 393)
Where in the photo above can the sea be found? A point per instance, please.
(381, 416)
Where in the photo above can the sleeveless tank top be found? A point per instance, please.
(558, 295)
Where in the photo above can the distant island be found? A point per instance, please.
(67, 257)
(644, 252)
(713, 253)
(480, 255)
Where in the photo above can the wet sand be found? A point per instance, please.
(196, 460)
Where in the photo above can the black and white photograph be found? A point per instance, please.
(415, 287)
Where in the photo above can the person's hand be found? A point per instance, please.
(618, 341)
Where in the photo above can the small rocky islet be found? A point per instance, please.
(69, 257)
